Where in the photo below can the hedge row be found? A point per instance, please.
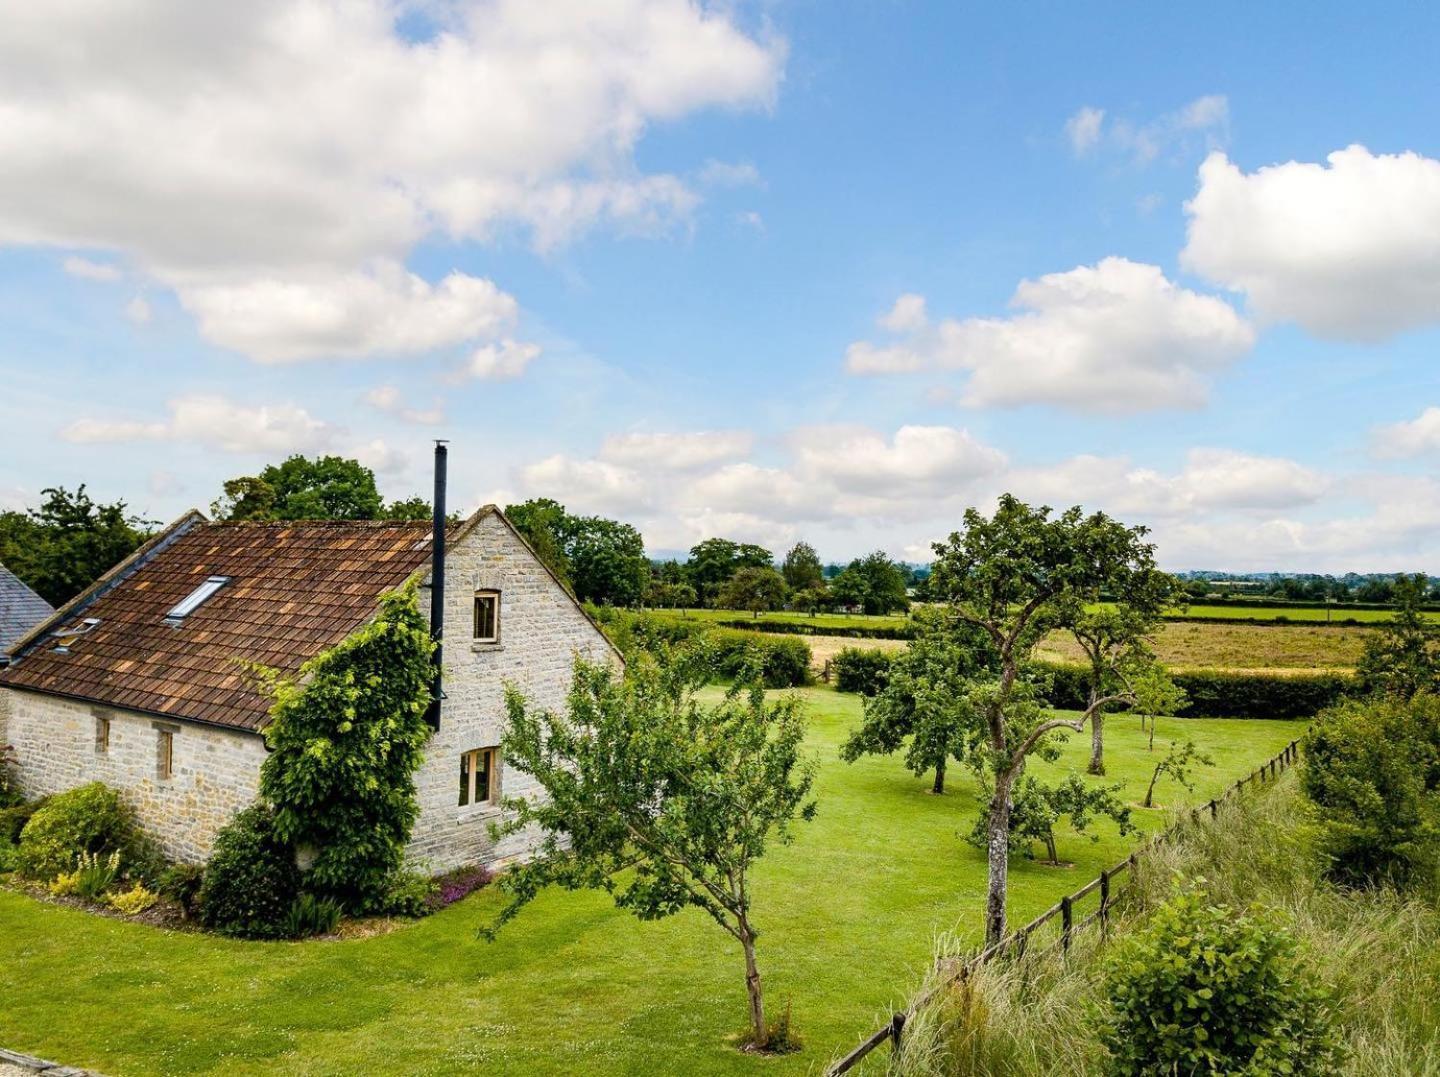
(784, 663)
(905, 630)
(1215, 693)
(1273, 620)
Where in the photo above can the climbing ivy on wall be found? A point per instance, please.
(347, 734)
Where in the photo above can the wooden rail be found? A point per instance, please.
(1017, 942)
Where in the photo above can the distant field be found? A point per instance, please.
(1290, 613)
(1240, 646)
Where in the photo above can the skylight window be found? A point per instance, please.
(196, 598)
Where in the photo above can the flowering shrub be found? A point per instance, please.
(134, 901)
(458, 884)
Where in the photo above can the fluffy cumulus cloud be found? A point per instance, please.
(226, 426)
(1419, 436)
(676, 451)
(504, 360)
(264, 159)
(1347, 249)
(1113, 337)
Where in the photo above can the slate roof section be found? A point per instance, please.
(21, 609)
(294, 589)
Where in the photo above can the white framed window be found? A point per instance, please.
(192, 602)
(479, 776)
(487, 617)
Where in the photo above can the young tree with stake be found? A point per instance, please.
(1177, 764)
(660, 800)
(1012, 575)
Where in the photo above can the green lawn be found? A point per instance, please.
(850, 912)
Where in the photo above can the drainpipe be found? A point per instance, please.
(437, 583)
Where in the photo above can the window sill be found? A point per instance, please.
(471, 812)
(486, 645)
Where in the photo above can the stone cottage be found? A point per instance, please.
(21, 609)
(140, 682)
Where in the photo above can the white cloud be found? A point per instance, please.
(138, 310)
(676, 451)
(729, 174)
(217, 423)
(1114, 337)
(380, 457)
(588, 485)
(917, 462)
(1083, 129)
(1413, 437)
(382, 310)
(1350, 251)
(270, 151)
(906, 316)
(504, 361)
(750, 219)
(388, 400)
(85, 269)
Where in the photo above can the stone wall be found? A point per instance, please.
(541, 631)
(214, 772)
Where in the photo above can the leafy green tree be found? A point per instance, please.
(755, 589)
(660, 800)
(409, 508)
(546, 526)
(1038, 807)
(810, 600)
(1176, 764)
(1400, 658)
(1373, 768)
(802, 569)
(925, 705)
(847, 590)
(874, 583)
(325, 488)
(1011, 575)
(669, 596)
(348, 732)
(69, 542)
(607, 561)
(1115, 638)
(714, 560)
(1204, 988)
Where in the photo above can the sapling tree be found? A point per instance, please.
(1036, 807)
(926, 705)
(656, 798)
(1115, 636)
(1013, 575)
(1177, 765)
(1155, 694)
(1401, 658)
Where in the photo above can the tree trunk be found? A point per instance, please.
(752, 986)
(998, 840)
(1150, 793)
(1097, 743)
(1050, 846)
(939, 786)
(1152, 734)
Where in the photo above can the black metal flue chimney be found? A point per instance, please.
(437, 582)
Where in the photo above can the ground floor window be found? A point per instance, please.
(479, 782)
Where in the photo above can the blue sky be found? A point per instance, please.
(649, 257)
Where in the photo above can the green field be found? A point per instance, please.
(850, 911)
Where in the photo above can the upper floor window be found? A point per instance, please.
(164, 754)
(487, 616)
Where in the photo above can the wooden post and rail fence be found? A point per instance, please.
(1016, 944)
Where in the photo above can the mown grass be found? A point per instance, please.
(850, 914)
(1378, 953)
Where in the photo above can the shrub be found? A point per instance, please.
(457, 884)
(134, 901)
(181, 883)
(309, 916)
(1372, 768)
(782, 663)
(13, 820)
(861, 669)
(9, 858)
(251, 880)
(409, 894)
(1205, 988)
(89, 819)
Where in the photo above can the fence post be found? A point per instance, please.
(1067, 917)
(1104, 904)
(1214, 808)
(897, 1026)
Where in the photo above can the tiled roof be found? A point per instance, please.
(294, 589)
(21, 609)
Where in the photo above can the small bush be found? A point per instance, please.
(1204, 988)
(9, 858)
(10, 794)
(1371, 767)
(782, 662)
(309, 916)
(251, 881)
(457, 884)
(13, 820)
(408, 894)
(181, 883)
(90, 819)
(134, 901)
(860, 669)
